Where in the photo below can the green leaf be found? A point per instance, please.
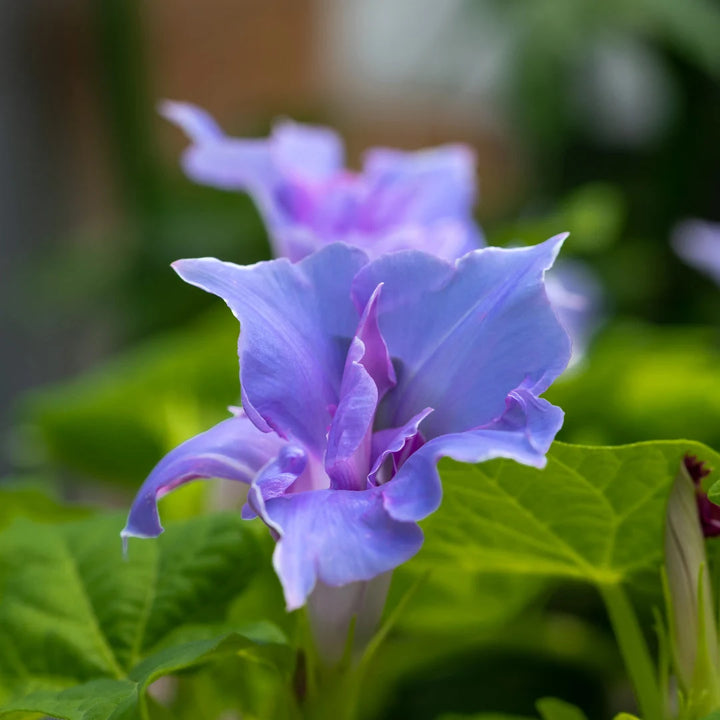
(75, 613)
(20, 501)
(261, 643)
(505, 534)
(594, 514)
(480, 602)
(94, 700)
(554, 709)
(119, 699)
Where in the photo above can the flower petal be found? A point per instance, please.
(217, 160)
(376, 358)
(234, 449)
(368, 375)
(464, 336)
(421, 187)
(447, 239)
(297, 321)
(195, 122)
(347, 459)
(392, 441)
(309, 152)
(523, 433)
(336, 537)
(273, 480)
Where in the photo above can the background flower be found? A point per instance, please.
(697, 242)
(399, 200)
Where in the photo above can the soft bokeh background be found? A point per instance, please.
(598, 118)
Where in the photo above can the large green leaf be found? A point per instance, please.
(103, 699)
(94, 700)
(593, 514)
(78, 621)
(505, 532)
(24, 500)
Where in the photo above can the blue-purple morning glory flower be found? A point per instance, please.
(697, 242)
(401, 200)
(356, 376)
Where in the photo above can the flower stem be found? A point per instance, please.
(336, 696)
(634, 651)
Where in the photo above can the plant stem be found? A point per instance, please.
(336, 696)
(634, 650)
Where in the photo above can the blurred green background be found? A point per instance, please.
(601, 118)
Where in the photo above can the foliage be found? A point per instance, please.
(85, 631)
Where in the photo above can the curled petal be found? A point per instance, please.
(234, 450)
(368, 375)
(523, 433)
(336, 537)
(217, 160)
(296, 321)
(273, 480)
(396, 441)
(347, 459)
(375, 358)
(279, 172)
(486, 328)
(303, 151)
(196, 123)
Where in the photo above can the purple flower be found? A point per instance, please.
(401, 200)
(356, 377)
(697, 242)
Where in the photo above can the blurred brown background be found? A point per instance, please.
(550, 93)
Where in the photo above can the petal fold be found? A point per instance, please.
(273, 481)
(368, 375)
(234, 450)
(464, 336)
(296, 325)
(396, 442)
(336, 537)
(524, 433)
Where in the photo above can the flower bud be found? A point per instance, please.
(693, 631)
